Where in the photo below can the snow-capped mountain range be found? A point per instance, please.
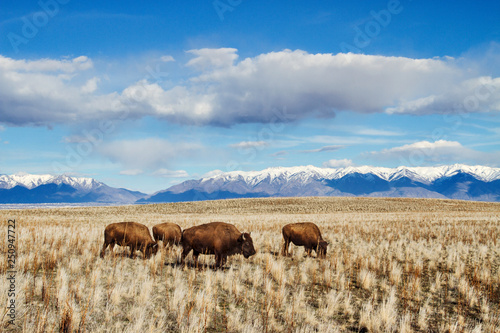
(31, 181)
(446, 182)
(452, 181)
(421, 174)
(26, 188)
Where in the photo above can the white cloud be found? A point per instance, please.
(424, 145)
(44, 92)
(167, 58)
(46, 65)
(441, 151)
(347, 140)
(212, 58)
(338, 163)
(323, 149)
(375, 132)
(475, 95)
(280, 153)
(249, 144)
(131, 172)
(91, 85)
(179, 104)
(170, 173)
(149, 153)
(212, 173)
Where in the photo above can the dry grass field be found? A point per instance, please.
(393, 265)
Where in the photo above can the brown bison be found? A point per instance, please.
(304, 234)
(219, 238)
(169, 233)
(132, 234)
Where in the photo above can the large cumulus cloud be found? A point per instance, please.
(222, 91)
(47, 91)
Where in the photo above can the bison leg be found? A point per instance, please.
(108, 240)
(308, 251)
(195, 257)
(168, 245)
(315, 250)
(105, 245)
(103, 250)
(284, 252)
(111, 247)
(185, 251)
(220, 260)
(132, 251)
(143, 249)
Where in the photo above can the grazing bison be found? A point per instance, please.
(219, 238)
(169, 233)
(132, 234)
(304, 234)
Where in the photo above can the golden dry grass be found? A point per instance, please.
(393, 265)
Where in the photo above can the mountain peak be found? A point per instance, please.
(31, 181)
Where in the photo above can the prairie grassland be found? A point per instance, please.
(393, 265)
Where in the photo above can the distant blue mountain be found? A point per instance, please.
(194, 195)
(35, 189)
(452, 182)
(48, 193)
(466, 186)
(359, 184)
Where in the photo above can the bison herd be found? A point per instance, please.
(218, 238)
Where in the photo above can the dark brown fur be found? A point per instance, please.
(169, 233)
(304, 234)
(219, 238)
(132, 234)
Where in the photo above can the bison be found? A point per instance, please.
(219, 238)
(132, 234)
(304, 234)
(169, 233)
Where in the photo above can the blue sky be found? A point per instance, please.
(146, 95)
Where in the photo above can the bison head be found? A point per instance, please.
(322, 246)
(151, 249)
(247, 248)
